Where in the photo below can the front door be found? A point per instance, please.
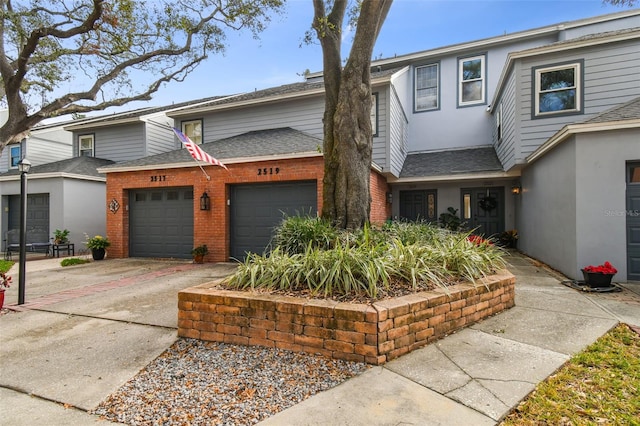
(633, 222)
(418, 205)
(483, 210)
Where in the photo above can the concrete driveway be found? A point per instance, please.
(59, 346)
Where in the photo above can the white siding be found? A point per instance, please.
(610, 79)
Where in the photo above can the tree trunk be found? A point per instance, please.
(348, 136)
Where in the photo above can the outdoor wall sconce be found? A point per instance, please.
(516, 189)
(389, 197)
(205, 202)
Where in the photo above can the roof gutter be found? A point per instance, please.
(458, 177)
(51, 175)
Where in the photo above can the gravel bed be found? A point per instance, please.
(207, 383)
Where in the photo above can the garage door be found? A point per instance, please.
(257, 209)
(633, 222)
(161, 222)
(37, 213)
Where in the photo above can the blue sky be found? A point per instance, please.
(411, 26)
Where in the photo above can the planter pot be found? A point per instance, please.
(198, 258)
(596, 279)
(98, 254)
(1, 298)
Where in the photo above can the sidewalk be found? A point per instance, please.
(475, 377)
(107, 322)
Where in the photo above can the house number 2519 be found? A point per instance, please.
(159, 178)
(268, 171)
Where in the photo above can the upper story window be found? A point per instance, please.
(15, 155)
(427, 87)
(193, 129)
(557, 90)
(471, 81)
(85, 146)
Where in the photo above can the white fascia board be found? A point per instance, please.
(573, 129)
(56, 175)
(554, 48)
(226, 161)
(458, 177)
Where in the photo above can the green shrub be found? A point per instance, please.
(69, 261)
(329, 263)
(296, 233)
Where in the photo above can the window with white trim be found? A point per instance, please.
(471, 78)
(427, 81)
(193, 130)
(15, 155)
(85, 146)
(499, 124)
(557, 90)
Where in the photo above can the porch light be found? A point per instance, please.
(389, 197)
(205, 202)
(516, 189)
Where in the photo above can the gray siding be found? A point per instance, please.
(380, 142)
(610, 79)
(601, 27)
(506, 149)
(117, 143)
(160, 138)
(300, 114)
(398, 134)
(43, 147)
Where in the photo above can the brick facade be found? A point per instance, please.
(374, 333)
(212, 227)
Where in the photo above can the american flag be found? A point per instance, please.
(195, 151)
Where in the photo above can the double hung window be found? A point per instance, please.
(193, 130)
(86, 146)
(557, 90)
(427, 82)
(471, 77)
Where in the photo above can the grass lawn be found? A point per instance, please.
(5, 265)
(598, 386)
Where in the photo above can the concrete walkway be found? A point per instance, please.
(86, 330)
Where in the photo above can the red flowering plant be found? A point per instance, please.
(5, 281)
(606, 268)
(478, 240)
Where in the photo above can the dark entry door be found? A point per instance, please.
(256, 209)
(633, 222)
(418, 205)
(483, 210)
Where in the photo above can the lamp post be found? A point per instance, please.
(23, 166)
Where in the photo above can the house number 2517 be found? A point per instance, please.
(159, 178)
(268, 171)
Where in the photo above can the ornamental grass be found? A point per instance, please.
(309, 255)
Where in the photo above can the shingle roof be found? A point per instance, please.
(272, 92)
(627, 111)
(83, 166)
(473, 160)
(251, 144)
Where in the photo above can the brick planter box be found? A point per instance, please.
(372, 333)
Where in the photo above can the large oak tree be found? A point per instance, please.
(348, 135)
(74, 56)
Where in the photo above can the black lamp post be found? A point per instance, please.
(23, 166)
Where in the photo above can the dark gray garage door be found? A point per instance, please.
(257, 208)
(161, 222)
(37, 214)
